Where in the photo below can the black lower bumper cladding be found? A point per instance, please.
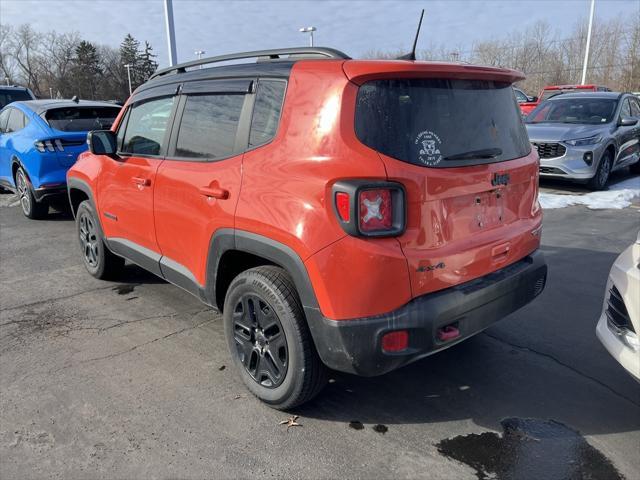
(354, 346)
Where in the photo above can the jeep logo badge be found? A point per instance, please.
(500, 179)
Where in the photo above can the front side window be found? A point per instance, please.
(626, 109)
(17, 121)
(81, 119)
(635, 108)
(266, 112)
(520, 97)
(441, 122)
(208, 127)
(146, 127)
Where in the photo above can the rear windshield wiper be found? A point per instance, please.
(483, 153)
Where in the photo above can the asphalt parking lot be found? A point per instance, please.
(132, 379)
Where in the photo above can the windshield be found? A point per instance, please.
(547, 94)
(81, 119)
(8, 96)
(591, 111)
(441, 122)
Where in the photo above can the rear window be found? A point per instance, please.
(441, 122)
(81, 119)
(8, 96)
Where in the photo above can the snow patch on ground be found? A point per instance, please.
(618, 196)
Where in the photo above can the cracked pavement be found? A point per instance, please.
(124, 379)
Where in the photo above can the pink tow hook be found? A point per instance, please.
(448, 333)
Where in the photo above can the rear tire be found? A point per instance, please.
(30, 207)
(269, 340)
(98, 259)
(600, 179)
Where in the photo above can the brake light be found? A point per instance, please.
(49, 145)
(343, 205)
(376, 212)
(369, 208)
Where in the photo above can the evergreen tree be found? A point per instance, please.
(130, 55)
(147, 63)
(86, 67)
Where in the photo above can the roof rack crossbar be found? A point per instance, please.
(272, 54)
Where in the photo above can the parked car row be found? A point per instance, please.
(318, 202)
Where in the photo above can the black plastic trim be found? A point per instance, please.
(78, 184)
(147, 259)
(354, 346)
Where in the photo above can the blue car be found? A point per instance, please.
(40, 140)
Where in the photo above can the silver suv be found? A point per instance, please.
(585, 136)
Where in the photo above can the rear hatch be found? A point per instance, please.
(459, 146)
(70, 125)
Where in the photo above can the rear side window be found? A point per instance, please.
(81, 119)
(146, 126)
(4, 118)
(208, 127)
(266, 111)
(440, 122)
(17, 121)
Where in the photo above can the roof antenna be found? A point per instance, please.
(412, 54)
(75, 99)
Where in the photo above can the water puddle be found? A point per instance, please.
(530, 449)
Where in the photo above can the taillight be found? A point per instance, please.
(369, 208)
(49, 145)
(395, 341)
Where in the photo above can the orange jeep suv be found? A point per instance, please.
(354, 215)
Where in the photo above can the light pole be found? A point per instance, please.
(310, 31)
(586, 50)
(171, 34)
(7, 80)
(128, 67)
(199, 53)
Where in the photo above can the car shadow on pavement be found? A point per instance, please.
(544, 361)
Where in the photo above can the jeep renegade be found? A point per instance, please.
(354, 215)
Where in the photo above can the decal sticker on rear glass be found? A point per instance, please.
(429, 144)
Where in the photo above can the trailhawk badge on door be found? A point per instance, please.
(429, 143)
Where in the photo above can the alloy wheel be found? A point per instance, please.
(89, 240)
(604, 171)
(24, 193)
(260, 341)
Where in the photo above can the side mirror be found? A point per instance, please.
(102, 142)
(533, 99)
(627, 122)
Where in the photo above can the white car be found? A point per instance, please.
(619, 325)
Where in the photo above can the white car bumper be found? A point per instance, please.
(623, 343)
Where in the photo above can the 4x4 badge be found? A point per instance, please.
(430, 268)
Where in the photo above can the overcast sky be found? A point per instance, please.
(355, 27)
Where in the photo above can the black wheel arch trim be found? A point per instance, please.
(78, 184)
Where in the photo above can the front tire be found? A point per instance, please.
(98, 259)
(600, 179)
(30, 207)
(269, 340)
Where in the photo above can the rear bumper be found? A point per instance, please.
(354, 346)
(50, 192)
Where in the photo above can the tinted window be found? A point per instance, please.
(81, 119)
(8, 96)
(147, 125)
(520, 97)
(208, 126)
(585, 110)
(4, 116)
(17, 121)
(266, 112)
(635, 108)
(441, 122)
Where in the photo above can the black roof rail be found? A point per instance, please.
(271, 54)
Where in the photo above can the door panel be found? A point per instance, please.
(199, 183)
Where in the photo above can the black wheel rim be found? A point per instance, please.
(260, 341)
(23, 191)
(88, 240)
